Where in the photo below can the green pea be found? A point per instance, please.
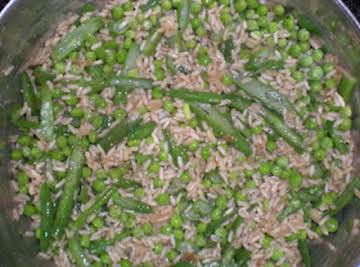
(271, 146)
(86, 172)
(253, 4)
(295, 51)
(115, 211)
(166, 5)
(289, 24)
(303, 35)
(85, 240)
(331, 225)
(298, 75)
(306, 61)
(98, 185)
(169, 106)
(118, 12)
(36, 153)
(176, 221)
(240, 5)
(279, 10)
(154, 167)
(316, 73)
(60, 68)
(171, 255)
(205, 152)
(195, 23)
(276, 170)
(262, 10)
(282, 162)
(295, 180)
(266, 242)
(29, 209)
(252, 25)
(185, 177)
(277, 255)
(221, 202)
(125, 263)
(345, 125)
(163, 199)
(318, 55)
(265, 167)
(158, 248)
(328, 67)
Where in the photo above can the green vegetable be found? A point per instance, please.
(99, 202)
(346, 196)
(47, 215)
(118, 133)
(197, 97)
(307, 23)
(151, 43)
(72, 181)
(75, 38)
(222, 126)
(118, 27)
(170, 65)
(305, 253)
(266, 95)
(78, 255)
(142, 132)
(149, 5)
(183, 14)
(290, 135)
(47, 115)
(183, 264)
(215, 224)
(293, 206)
(346, 87)
(30, 95)
(242, 256)
(175, 151)
(132, 55)
(228, 50)
(132, 204)
(99, 246)
(128, 83)
(43, 75)
(127, 184)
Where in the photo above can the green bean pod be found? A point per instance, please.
(305, 252)
(183, 14)
(77, 254)
(143, 131)
(132, 204)
(292, 137)
(131, 58)
(75, 39)
(293, 206)
(346, 87)
(149, 5)
(47, 115)
(118, 133)
(150, 44)
(29, 95)
(266, 95)
(128, 83)
(222, 126)
(100, 201)
(196, 97)
(67, 197)
(47, 215)
(175, 151)
(43, 75)
(228, 50)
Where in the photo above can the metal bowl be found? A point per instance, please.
(23, 26)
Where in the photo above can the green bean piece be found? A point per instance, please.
(294, 138)
(228, 50)
(346, 196)
(170, 65)
(266, 95)
(240, 104)
(66, 203)
(227, 258)
(100, 201)
(127, 184)
(47, 215)
(88, 7)
(309, 24)
(96, 84)
(222, 126)
(118, 27)
(242, 256)
(118, 133)
(75, 38)
(211, 228)
(311, 194)
(132, 204)
(47, 114)
(176, 151)
(293, 206)
(43, 75)
(183, 14)
(149, 5)
(196, 97)
(78, 255)
(128, 83)
(143, 131)
(346, 87)
(29, 94)
(183, 264)
(305, 252)
(179, 42)
(99, 246)
(131, 58)
(151, 43)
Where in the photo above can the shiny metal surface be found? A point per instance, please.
(22, 24)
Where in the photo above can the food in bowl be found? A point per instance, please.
(183, 133)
